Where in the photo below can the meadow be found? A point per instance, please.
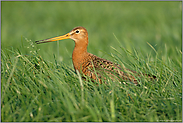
(39, 84)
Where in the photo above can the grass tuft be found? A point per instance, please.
(34, 89)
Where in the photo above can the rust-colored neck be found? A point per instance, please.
(79, 53)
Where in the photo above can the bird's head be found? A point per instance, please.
(78, 34)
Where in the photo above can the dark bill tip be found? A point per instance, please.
(42, 41)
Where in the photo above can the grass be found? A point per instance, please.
(38, 82)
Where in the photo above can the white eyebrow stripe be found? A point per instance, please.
(71, 33)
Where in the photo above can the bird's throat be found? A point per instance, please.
(79, 56)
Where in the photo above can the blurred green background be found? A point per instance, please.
(133, 23)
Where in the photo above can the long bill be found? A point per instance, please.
(66, 36)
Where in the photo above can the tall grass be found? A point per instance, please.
(38, 82)
(37, 90)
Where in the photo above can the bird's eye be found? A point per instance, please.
(77, 31)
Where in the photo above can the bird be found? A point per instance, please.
(90, 65)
